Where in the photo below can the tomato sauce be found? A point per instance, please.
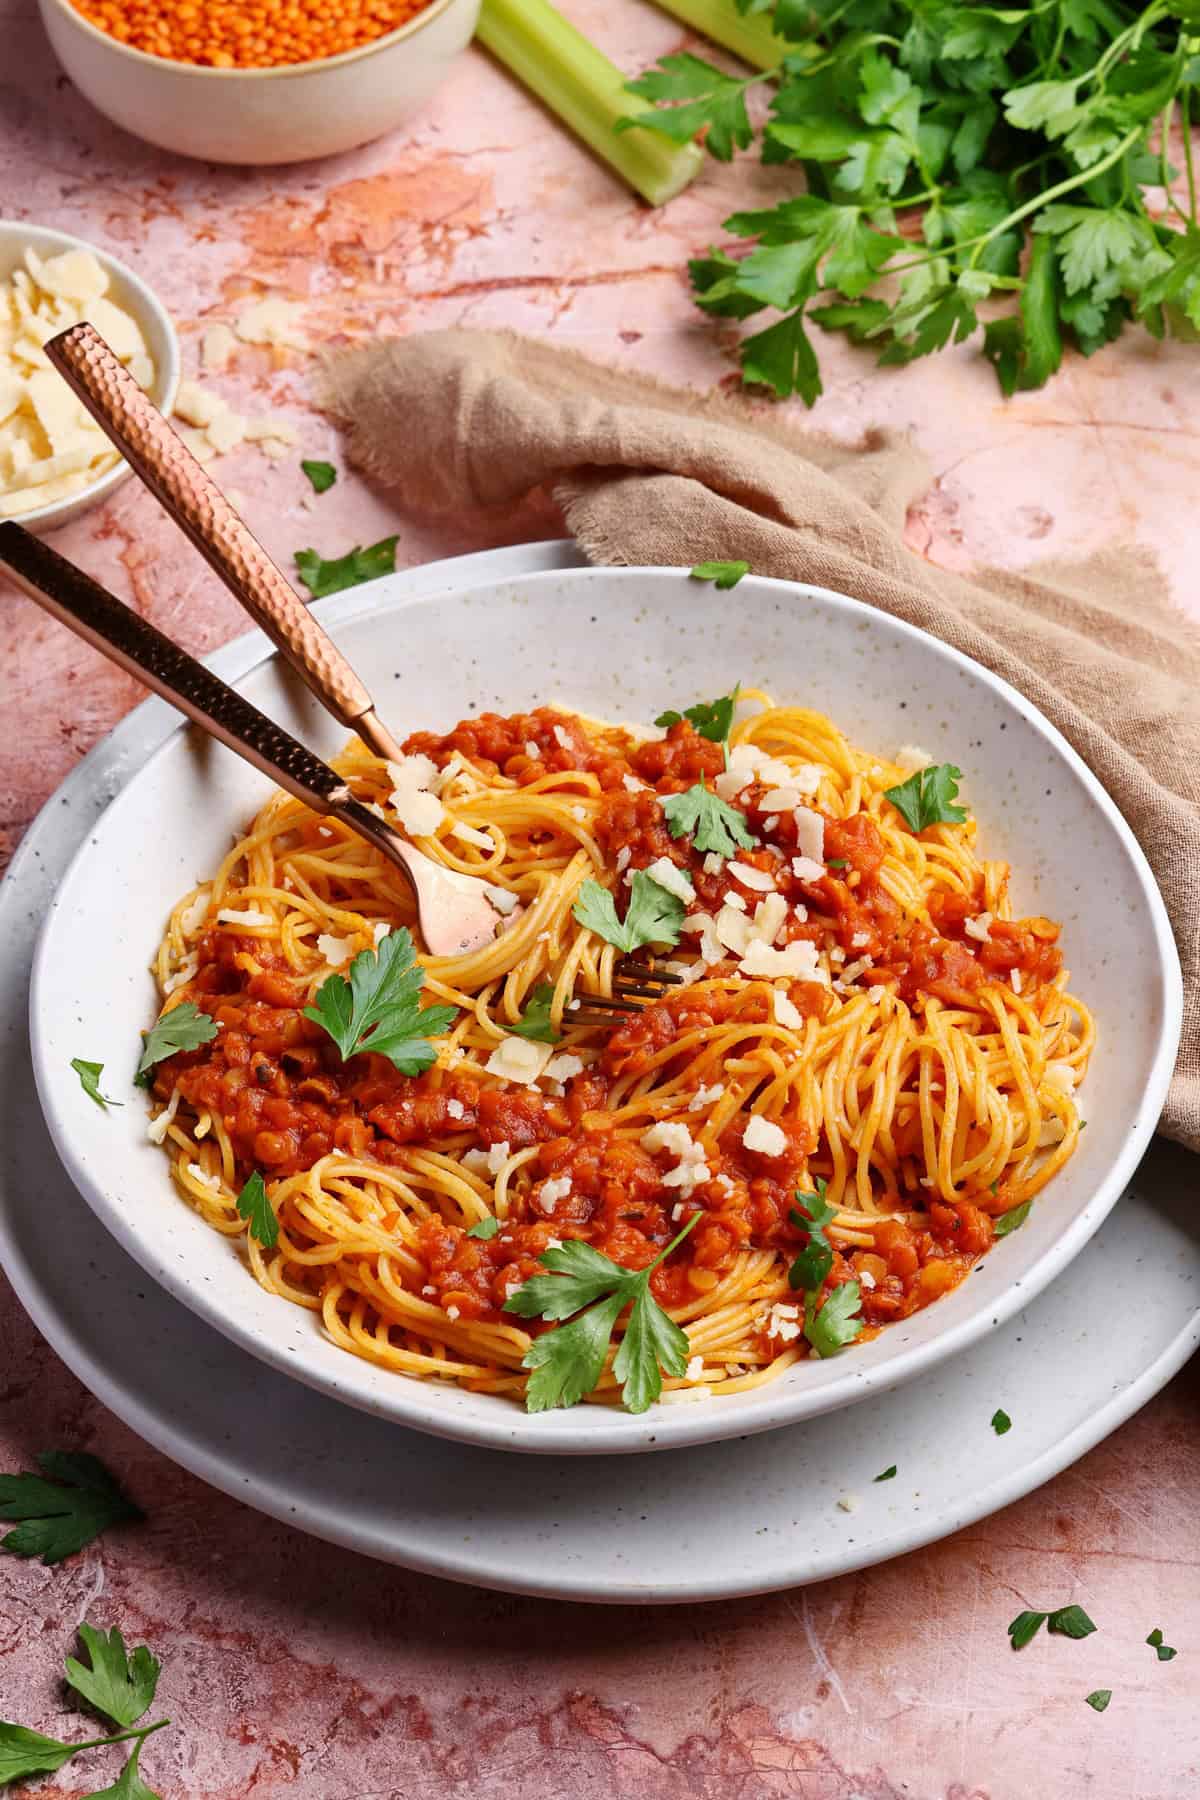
(286, 1099)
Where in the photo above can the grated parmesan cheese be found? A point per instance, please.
(695, 1368)
(786, 1014)
(518, 1059)
(979, 928)
(504, 902)
(810, 834)
(158, 1127)
(204, 1178)
(765, 1137)
(759, 881)
(563, 1066)
(248, 915)
(335, 950)
(672, 878)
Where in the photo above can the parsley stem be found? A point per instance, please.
(1185, 123)
(1053, 193)
(135, 1731)
(1164, 161)
(674, 1243)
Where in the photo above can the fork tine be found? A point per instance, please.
(638, 990)
(615, 1005)
(652, 968)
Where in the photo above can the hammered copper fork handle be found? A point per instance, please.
(157, 453)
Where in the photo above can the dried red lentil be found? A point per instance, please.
(247, 34)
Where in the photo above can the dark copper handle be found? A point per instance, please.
(137, 647)
(159, 456)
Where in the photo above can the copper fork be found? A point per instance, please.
(456, 916)
(636, 981)
(453, 909)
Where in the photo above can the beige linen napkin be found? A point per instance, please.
(648, 474)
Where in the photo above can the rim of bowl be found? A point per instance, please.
(148, 303)
(282, 70)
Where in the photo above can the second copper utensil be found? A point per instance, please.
(161, 459)
(455, 914)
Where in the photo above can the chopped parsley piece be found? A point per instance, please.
(1001, 1422)
(117, 1685)
(185, 1027)
(1163, 1651)
(484, 1228)
(887, 1474)
(837, 862)
(358, 565)
(567, 1363)
(653, 916)
(812, 1215)
(321, 474)
(721, 574)
(379, 1008)
(61, 1514)
(712, 719)
(535, 1020)
(254, 1206)
(1070, 1621)
(926, 798)
(1025, 1626)
(713, 824)
(89, 1074)
(836, 1324)
(1098, 1700)
(1012, 1220)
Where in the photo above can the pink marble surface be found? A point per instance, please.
(295, 1669)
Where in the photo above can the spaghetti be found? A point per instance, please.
(859, 1016)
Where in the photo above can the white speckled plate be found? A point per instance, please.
(621, 643)
(701, 1524)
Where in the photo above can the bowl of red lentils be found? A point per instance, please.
(258, 81)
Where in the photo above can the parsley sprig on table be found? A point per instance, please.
(113, 1683)
(379, 1008)
(569, 1361)
(71, 1502)
(956, 157)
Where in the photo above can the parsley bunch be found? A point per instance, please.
(953, 156)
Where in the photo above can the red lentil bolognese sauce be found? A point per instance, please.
(864, 1072)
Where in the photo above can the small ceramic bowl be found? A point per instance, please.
(283, 115)
(127, 290)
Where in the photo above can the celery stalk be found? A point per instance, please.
(751, 39)
(576, 81)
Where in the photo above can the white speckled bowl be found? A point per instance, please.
(262, 116)
(127, 290)
(621, 642)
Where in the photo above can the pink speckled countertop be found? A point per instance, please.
(293, 1668)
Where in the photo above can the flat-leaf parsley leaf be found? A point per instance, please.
(129, 1784)
(812, 1215)
(1164, 1652)
(61, 1514)
(89, 1074)
(534, 1022)
(569, 1361)
(1025, 1626)
(1012, 1220)
(254, 1206)
(926, 798)
(358, 565)
(119, 1685)
(713, 824)
(1001, 1422)
(835, 1325)
(1070, 1621)
(887, 1474)
(379, 1008)
(721, 574)
(712, 719)
(484, 1228)
(1098, 1700)
(185, 1027)
(653, 916)
(321, 474)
